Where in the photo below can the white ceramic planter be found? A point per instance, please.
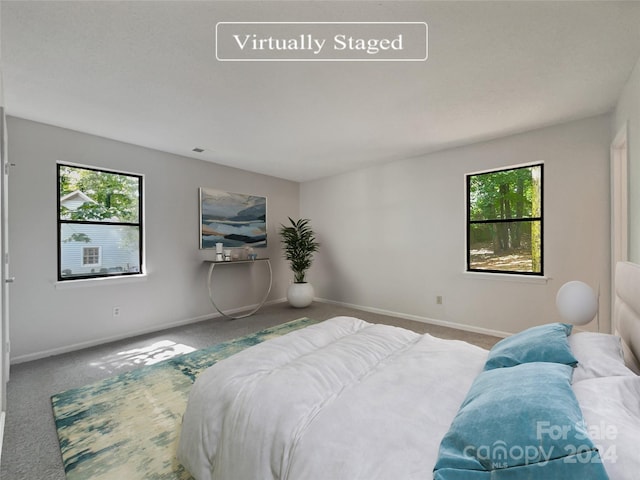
(300, 295)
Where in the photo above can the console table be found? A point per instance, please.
(215, 263)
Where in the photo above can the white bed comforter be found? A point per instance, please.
(343, 399)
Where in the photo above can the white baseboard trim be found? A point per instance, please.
(156, 328)
(417, 318)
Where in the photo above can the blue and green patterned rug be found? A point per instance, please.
(127, 427)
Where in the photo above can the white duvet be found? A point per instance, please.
(343, 399)
(611, 408)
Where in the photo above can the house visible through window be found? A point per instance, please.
(504, 221)
(99, 223)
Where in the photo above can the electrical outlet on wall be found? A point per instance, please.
(439, 300)
(116, 311)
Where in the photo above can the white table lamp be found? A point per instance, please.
(577, 303)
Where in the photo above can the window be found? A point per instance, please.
(90, 256)
(99, 223)
(504, 221)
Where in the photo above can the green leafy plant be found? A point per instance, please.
(299, 246)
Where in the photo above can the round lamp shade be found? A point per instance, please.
(577, 302)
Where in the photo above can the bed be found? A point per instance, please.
(345, 399)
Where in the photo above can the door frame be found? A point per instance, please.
(619, 205)
(4, 272)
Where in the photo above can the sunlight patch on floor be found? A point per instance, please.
(143, 356)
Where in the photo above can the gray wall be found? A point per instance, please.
(47, 317)
(393, 236)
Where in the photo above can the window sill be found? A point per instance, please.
(95, 282)
(508, 277)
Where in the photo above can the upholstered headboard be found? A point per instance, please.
(626, 311)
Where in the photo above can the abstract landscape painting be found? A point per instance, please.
(233, 219)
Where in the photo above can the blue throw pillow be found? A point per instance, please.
(545, 343)
(519, 423)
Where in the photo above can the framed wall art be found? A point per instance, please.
(233, 219)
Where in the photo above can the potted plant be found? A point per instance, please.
(299, 246)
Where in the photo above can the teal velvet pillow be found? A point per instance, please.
(522, 422)
(545, 343)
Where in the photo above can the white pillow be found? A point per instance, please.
(611, 409)
(598, 355)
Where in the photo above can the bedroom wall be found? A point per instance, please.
(393, 236)
(628, 111)
(47, 317)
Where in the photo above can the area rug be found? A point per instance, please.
(127, 427)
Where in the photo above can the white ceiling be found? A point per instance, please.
(145, 73)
